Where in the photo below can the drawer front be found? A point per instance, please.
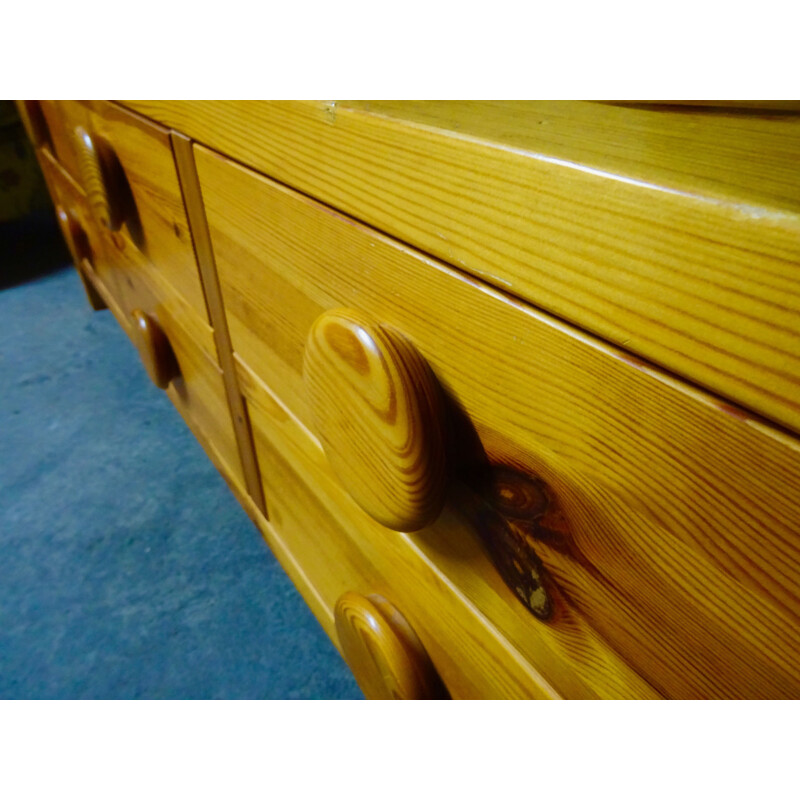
(84, 240)
(674, 561)
(198, 391)
(127, 282)
(138, 182)
(333, 549)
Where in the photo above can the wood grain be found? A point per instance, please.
(190, 186)
(674, 234)
(145, 185)
(681, 548)
(385, 655)
(99, 175)
(378, 413)
(329, 547)
(154, 349)
(78, 245)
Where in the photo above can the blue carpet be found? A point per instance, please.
(127, 568)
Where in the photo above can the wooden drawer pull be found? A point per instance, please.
(74, 235)
(154, 349)
(378, 412)
(102, 178)
(386, 657)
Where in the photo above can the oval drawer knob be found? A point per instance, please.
(100, 176)
(154, 349)
(384, 654)
(74, 235)
(378, 412)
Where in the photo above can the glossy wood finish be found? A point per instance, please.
(674, 234)
(133, 172)
(125, 280)
(78, 245)
(190, 186)
(677, 564)
(101, 178)
(329, 547)
(385, 655)
(378, 412)
(154, 349)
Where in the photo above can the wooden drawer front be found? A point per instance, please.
(674, 234)
(153, 218)
(88, 246)
(127, 282)
(682, 514)
(329, 547)
(199, 391)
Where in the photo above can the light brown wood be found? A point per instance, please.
(378, 412)
(199, 391)
(154, 349)
(385, 655)
(674, 234)
(74, 220)
(329, 546)
(197, 399)
(138, 177)
(126, 280)
(101, 178)
(190, 186)
(680, 545)
(78, 244)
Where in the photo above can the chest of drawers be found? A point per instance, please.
(510, 389)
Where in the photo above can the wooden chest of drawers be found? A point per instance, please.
(509, 389)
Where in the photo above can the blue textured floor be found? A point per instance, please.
(127, 568)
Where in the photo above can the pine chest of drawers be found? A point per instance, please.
(510, 389)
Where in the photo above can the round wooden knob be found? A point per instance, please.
(378, 412)
(100, 176)
(154, 349)
(74, 235)
(386, 657)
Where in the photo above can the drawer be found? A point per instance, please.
(136, 189)
(198, 390)
(82, 238)
(126, 282)
(314, 525)
(670, 559)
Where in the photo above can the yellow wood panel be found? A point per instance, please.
(127, 280)
(684, 515)
(159, 228)
(674, 234)
(60, 135)
(199, 394)
(196, 394)
(338, 552)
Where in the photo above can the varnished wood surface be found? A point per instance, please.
(190, 186)
(78, 245)
(99, 175)
(198, 391)
(674, 234)
(127, 281)
(197, 401)
(678, 564)
(378, 413)
(144, 193)
(329, 547)
(385, 655)
(154, 349)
